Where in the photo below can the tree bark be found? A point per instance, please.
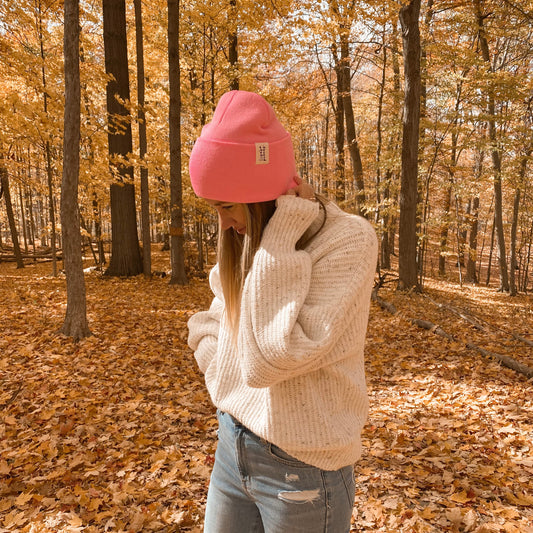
(75, 324)
(351, 138)
(489, 265)
(47, 147)
(23, 219)
(98, 229)
(233, 52)
(409, 19)
(340, 164)
(141, 120)
(32, 219)
(513, 262)
(389, 222)
(4, 190)
(471, 271)
(445, 227)
(495, 152)
(177, 255)
(125, 252)
(378, 215)
(525, 277)
(471, 267)
(514, 226)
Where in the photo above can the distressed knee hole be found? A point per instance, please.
(292, 477)
(299, 496)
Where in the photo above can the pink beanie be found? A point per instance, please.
(244, 154)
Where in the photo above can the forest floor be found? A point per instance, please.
(117, 433)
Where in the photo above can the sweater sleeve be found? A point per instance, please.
(204, 326)
(293, 311)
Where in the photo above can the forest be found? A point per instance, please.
(336, 75)
(415, 115)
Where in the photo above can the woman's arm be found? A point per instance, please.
(204, 326)
(293, 311)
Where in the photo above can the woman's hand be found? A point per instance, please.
(302, 190)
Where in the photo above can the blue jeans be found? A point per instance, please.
(256, 487)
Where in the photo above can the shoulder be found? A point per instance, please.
(346, 229)
(343, 254)
(346, 244)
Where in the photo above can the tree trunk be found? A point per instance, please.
(233, 54)
(48, 157)
(525, 278)
(23, 219)
(471, 275)
(32, 220)
(47, 148)
(387, 239)
(445, 228)
(380, 218)
(513, 263)
(409, 15)
(495, 152)
(471, 268)
(389, 221)
(75, 324)
(125, 252)
(489, 265)
(98, 229)
(4, 190)
(200, 264)
(340, 164)
(353, 146)
(141, 120)
(514, 226)
(177, 255)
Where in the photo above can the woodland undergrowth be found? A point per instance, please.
(117, 433)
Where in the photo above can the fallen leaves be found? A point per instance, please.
(450, 433)
(117, 433)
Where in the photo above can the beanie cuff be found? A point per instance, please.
(215, 162)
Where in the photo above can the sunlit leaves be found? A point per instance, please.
(117, 432)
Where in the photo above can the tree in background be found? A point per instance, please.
(125, 251)
(5, 192)
(75, 324)
(409, 18)
(233, 50)
(495, 149)
(297, 69)
(141, 121)
(177, 256)
(47, 138)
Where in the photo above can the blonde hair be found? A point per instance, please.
(236, 254)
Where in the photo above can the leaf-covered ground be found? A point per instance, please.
(116, 433)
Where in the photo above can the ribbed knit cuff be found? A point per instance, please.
(289, 222)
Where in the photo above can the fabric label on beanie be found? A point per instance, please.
(261, 154)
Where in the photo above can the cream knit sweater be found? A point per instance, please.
(296, 376)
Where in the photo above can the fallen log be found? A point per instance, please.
(44, 257)
(505, 360)
(434, 328)
(521, 339)
(477, 322)
(472, 321)
(383, 303)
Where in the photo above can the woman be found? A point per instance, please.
(281, 346)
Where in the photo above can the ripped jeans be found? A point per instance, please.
(257, 488)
